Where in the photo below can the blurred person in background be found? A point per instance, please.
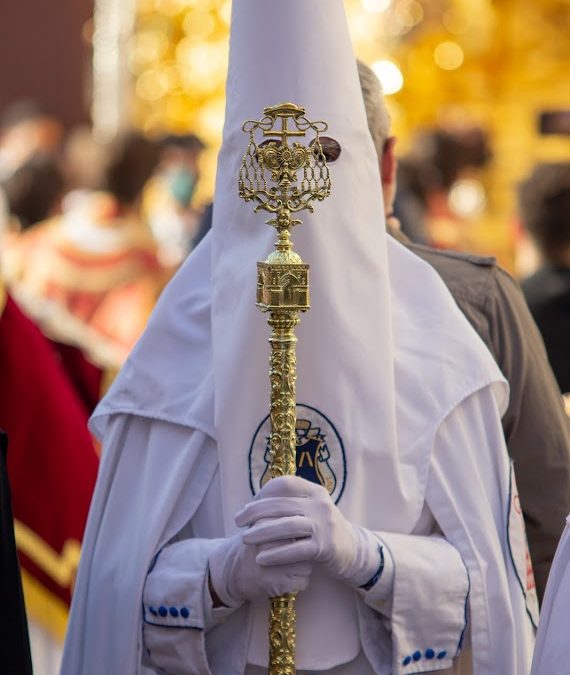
(98, 260)
(84, 159)
(410, 205)
(52, 467)
(34, 191)
(168, 197)
(26, 130)
(544, 200)
(429, 179)
(535, 426)
(30, 176)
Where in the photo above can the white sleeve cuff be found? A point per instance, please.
(429, 598)
(377, 592)
(175, 609)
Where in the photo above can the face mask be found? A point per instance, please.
(182, 183)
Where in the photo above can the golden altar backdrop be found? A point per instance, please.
(452, 63)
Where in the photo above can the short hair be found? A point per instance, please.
(544, 202)
(130, 163)
(22, 111)
(33, 190)
(189, 142)
(377, 115)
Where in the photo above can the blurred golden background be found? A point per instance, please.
(454, 64)
(111, 116)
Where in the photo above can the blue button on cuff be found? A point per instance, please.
(428, 654)
(174, 612)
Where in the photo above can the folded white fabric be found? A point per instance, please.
(302, 524)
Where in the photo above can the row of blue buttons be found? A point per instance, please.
(429, 654)
(173, 611)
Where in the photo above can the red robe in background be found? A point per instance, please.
(95, 262)
(52, 465)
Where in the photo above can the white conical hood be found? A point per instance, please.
(300, 51)
(383, 354)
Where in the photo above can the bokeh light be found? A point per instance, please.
(448, 55)
(390, 76)
(376, 6)
(467, 198)
(408, 13)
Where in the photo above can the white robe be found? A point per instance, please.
(468, 493)
(552, 654)
(384, 356)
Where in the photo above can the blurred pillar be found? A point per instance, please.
(113, 24)
(44, 57)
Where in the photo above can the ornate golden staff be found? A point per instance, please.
(283, 179)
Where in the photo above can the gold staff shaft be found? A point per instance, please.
(299, 175)
(282, 376)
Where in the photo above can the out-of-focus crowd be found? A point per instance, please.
(438, 191)
(91, 231)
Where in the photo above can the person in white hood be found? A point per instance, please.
(401, 531)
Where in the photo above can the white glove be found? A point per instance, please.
(307, 526)
(236, 575)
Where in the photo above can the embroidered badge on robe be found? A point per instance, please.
(320, 453)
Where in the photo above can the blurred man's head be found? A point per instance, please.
(26, 130)
(379, 125)
(544, 202)
(130, 162)
(34, 191)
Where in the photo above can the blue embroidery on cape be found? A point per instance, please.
(320, 452)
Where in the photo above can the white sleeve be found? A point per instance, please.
(152, 479)
(425, 598)
(472, 494)
(177, 608)
(426, 605)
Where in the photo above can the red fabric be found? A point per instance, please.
(85, 376)
(52, 463)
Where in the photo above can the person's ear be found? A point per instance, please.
(389, 163)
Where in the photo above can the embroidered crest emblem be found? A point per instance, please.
(320, 452)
